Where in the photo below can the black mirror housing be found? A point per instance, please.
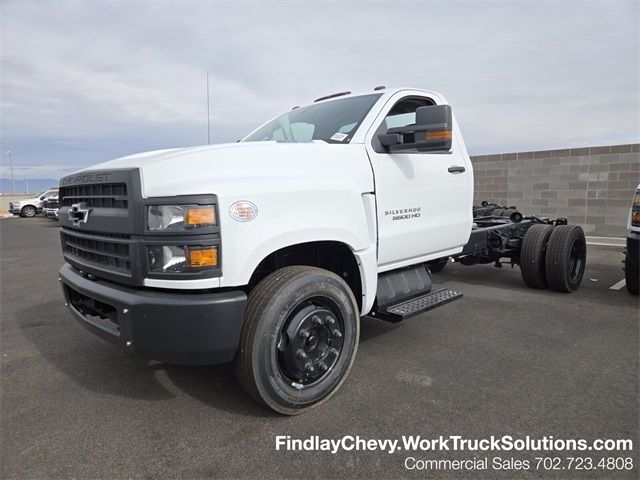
(433, 131)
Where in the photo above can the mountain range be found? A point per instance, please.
(31, 185)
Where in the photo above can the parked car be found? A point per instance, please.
(268, 251)
(31, 206)
(50, 207)
(632, 253)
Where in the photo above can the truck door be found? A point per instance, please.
(424, 199)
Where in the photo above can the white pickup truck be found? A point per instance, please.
(30, 207)
(269, 250)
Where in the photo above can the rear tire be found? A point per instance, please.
(28, 211)
(299, 339)
(566, 258)
(532, 255)
(631, 274)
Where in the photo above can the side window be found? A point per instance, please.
(403, 113)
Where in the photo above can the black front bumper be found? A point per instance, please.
(181, 328)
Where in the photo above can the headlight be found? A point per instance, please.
(635, 210)
(177, 259)
(180, 217)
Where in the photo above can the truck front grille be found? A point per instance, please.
(111, 251)
(99, 195)
(51, 204)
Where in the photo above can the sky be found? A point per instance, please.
(85, 81)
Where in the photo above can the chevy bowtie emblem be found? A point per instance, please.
(79, 213)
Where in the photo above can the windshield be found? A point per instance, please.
(333, 122)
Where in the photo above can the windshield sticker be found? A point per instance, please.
(339, 137)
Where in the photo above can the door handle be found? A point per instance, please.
(456, 169)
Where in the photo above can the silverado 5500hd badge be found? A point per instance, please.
(403, 213)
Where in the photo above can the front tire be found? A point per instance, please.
(299, 339)
(631, 274)
(28, 211)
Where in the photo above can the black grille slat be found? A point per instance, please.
(100, 195)
(99, 249)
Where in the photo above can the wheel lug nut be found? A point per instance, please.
(317, 320)
(309, 367)
(323, 366)
(333, 352)
(300, 354)
(304, 334)
(330, 320)
(337, 333)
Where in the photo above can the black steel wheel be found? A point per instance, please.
(28, 211)
(298, 340)
(436, 266)
(532, 255)
(566, 258)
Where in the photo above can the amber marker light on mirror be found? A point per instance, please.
(202, 257)
(438, 135)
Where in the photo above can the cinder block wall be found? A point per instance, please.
(592, 187)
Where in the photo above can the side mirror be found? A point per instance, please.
(431, 132)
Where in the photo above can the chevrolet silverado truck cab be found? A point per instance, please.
(267, 252)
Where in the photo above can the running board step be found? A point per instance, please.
(415, 306)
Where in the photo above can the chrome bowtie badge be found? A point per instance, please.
(78, 213)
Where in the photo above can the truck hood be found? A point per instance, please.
(248, 167)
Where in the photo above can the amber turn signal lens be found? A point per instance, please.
(201, 216)
(438, 135)
(202, 257)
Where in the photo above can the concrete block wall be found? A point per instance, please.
(592, 186)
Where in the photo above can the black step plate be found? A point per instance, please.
(418, 305)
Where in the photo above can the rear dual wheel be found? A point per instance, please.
(532, 255)
(566, 258)
(298, 340)
(553, 257)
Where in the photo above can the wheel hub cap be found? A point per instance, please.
(310, 343)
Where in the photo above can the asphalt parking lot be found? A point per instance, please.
(505, 359)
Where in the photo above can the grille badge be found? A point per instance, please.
(78, 213)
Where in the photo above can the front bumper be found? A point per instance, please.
(181, 328)
(51, 213)
(14, 211)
